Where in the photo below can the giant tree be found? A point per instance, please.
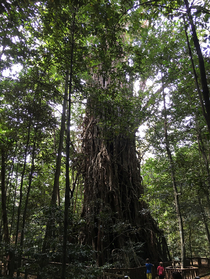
(118, 224)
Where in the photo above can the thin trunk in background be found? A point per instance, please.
(16, 179)
(205, 219)
(67, 190)
(59, 156)
(173, 178)
(203, 154)
(190, 243)
(21, 183)
(15, 195)
(4, 198)
(28, 193)
(196, 77)
(199, 136)
(26, 204)
(55, 193)
(205, 90)
(14, 201)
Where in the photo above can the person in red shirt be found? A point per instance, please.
(161, 271)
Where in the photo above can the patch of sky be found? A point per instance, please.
(13, 71)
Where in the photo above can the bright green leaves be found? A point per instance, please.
(191, 180)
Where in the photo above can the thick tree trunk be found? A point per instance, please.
(118, 225)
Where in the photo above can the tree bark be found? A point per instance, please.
(67, 190)
(21, 183)
(196, 80)
(118, 223)
(50, 223)
(205, 89)
(199, 136)
(205, 218)
(28, 193)
(26, 205)
(59, 156)
(173, 178)
(15, 194)
(4, 198)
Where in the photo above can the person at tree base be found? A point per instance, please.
(161, 271)
(148, 269)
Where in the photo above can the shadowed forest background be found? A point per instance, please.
(104, 132)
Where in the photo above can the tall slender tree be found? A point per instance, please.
(174, 183)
